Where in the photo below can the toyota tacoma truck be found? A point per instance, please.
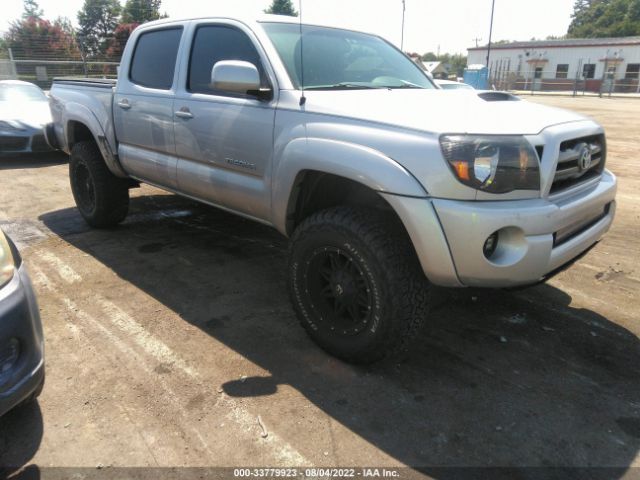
(386, 185)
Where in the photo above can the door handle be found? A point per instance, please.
(184, 112)
(124, 104)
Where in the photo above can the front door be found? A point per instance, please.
(224, 141)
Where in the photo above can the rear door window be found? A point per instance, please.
(154, 58)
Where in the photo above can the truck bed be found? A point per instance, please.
(87, 82)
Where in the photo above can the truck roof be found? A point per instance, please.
(246, 20)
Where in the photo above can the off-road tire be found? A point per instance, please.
(101, 197)
(375, 246)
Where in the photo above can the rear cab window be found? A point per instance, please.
(154, 58)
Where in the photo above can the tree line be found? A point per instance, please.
(601, 19)
(104, 26)
(605, 18)
(103, 29)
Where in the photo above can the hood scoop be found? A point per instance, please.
(491, 96)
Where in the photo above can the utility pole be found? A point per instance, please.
(493, 5)
(402, 38)
(478, 39)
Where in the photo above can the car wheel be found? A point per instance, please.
(356, 284)
(101, 197)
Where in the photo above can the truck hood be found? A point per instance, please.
(438, 111)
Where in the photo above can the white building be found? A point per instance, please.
(592, 64)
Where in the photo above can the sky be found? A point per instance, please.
(449, 25)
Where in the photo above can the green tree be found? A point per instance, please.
(3, 49)
(282, 7)
(457, 64)
(605, 18)
(429, 57)
(98, 20)
(31, 9)
(141, 11)
(578, 17)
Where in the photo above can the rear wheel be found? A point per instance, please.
(101, 197)
(356, 284)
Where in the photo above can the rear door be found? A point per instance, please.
(224, 140)
(143, 107)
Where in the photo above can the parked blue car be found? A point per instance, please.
(21, 337)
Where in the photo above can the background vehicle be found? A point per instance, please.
(366, 166)
(24, 111)
(451, 85)
(21, 338)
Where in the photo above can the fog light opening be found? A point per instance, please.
(9, 357)
(490, 245)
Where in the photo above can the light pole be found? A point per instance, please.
(493, 5)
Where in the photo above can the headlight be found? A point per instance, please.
(7, 262)
(492, 163)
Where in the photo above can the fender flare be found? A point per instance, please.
(358, 163)
(75, 112)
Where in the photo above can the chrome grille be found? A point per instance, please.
(579, 160)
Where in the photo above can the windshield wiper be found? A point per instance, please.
(343, 86)
(406, 84)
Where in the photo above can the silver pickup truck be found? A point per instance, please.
(385, 184)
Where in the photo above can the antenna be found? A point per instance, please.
(402, 37)
(303, 99)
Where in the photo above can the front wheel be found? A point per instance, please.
(101, 197)
(356, 283)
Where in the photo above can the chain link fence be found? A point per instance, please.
(43, 71)
(540, 81)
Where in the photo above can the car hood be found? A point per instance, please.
(29, 114)
(438, 111)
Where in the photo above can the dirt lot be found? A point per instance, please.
(170, 341)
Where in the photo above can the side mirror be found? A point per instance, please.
(238, 77)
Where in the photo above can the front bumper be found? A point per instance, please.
(20, 319)
(30, 140)
(536, 236)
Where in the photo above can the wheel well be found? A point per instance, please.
(78, 132)
(314, 191)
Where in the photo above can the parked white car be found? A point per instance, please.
(24, 111)
(451, 85)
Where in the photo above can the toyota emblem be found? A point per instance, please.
(585, 158)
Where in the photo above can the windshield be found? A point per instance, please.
(21, 93)
(342, 59)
